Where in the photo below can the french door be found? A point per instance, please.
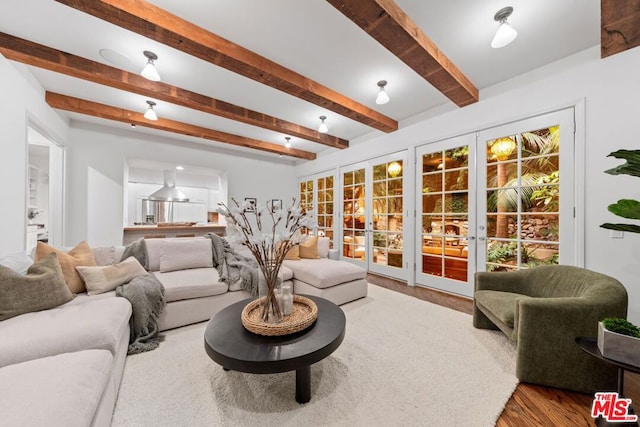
(374, 216)
(491, 201)
(446, 245)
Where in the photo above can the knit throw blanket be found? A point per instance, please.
(146, 295)
(232, 267)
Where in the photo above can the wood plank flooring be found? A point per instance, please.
(530, 405)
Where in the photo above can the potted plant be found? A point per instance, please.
(626, 208)
(619, 339)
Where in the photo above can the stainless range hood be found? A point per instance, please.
(169, 192)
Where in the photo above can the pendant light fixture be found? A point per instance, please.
(150, 114)
(505, 34)
(323, 128)
(288, 143)
(149, 71)
(383, 97)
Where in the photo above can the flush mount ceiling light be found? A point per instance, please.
(323, 128)
(505, 34)
(180, 168)
(288, 143)
(149, 71)
(150, 114)
(382, 98)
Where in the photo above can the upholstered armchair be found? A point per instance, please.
(544, 309)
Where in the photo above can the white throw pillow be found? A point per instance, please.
(106, 278)
(323, 247)
(182, 254)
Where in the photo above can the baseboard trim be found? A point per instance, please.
(436, 296)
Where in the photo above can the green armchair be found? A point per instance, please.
(544, 309)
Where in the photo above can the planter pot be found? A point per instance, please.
(621, 348)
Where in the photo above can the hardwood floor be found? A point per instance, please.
(530, 405)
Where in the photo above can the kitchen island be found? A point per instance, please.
(133, 233)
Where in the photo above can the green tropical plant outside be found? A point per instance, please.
(625, 208)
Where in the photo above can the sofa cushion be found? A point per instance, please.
(107, 255)
(324, 272)
(96, 324)
(154, 249)
(43, 287)
(62, 390)
(309, 248)
(107, 278)
(501, 304)
(18, 262)
(80, 255)
(192, 283)
(287, 273)
(182, 254)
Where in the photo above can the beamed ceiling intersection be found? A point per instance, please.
(383, 20)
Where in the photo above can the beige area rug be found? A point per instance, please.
(403, 362)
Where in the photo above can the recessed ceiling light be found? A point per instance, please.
(180, 168)
(118, 59)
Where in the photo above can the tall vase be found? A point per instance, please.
(269, 291)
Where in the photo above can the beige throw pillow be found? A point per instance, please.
(293, 253)
(182, 254)
(41, 288)
(106, 278)
(309, 249)
(81, 255)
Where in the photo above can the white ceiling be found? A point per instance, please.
(314, 39)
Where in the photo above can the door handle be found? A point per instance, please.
(482, 238)
(472, 237)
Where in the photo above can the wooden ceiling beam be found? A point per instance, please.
(619, 26)
(37, 55)
(90, 108)
(157, 24)
(391, 27)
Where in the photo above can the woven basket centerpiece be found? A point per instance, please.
(304, 313)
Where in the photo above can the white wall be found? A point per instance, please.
(21, 99)
(96, 177)
(610, 89)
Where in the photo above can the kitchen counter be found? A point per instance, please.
(132, 233)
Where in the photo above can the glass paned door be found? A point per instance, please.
(325, 206)
(387, 217)
(373, 215)
(445, 255)
(354, 212)
(526, 193)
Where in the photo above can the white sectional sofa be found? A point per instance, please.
(64, 365)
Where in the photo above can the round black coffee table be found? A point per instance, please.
(233, 347)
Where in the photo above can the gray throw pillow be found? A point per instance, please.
(43, 287)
